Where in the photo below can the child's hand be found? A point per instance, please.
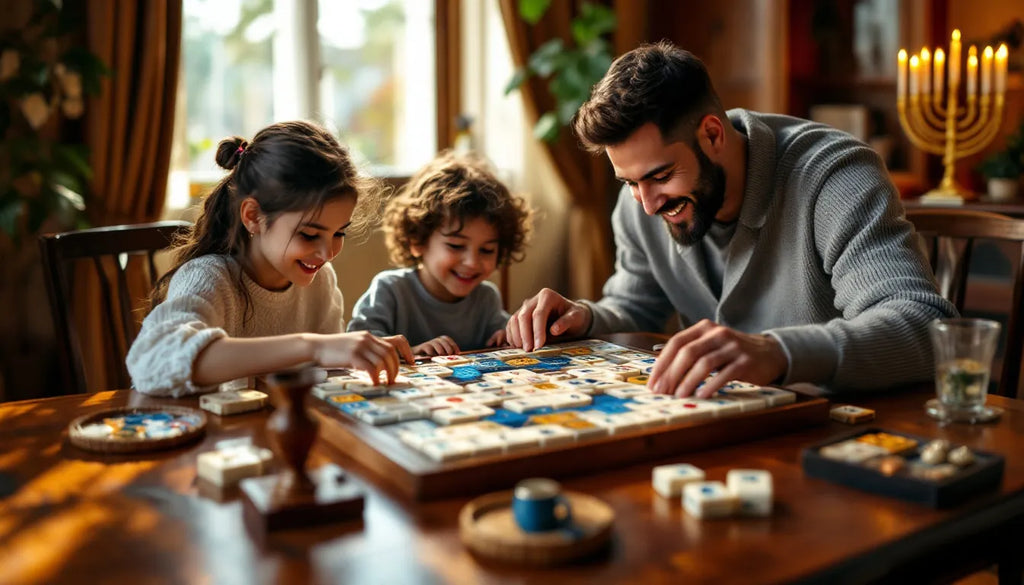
(442, 345)
(401, 345)
(497, 340)
(359, 350)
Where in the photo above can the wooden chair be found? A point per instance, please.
(109, 249)
(951, 235)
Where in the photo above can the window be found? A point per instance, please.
(363, 68)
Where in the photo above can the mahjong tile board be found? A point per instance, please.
(566, 409)
(847, 461)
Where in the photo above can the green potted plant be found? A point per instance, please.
(1004, 168)
(572, 69)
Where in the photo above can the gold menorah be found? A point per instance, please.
(948, 129)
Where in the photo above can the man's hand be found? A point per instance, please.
(528, 327)
(695, 352)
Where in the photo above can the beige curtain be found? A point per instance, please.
(588, 178)
(128, 130)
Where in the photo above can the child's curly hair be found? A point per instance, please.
(460, 188)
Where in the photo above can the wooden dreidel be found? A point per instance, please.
(295, 498)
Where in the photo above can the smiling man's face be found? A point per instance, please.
(677, 182)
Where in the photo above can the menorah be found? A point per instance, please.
(948, 129)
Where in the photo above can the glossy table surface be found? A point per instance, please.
(70, 516)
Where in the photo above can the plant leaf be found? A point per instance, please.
(10, 210)
(547, 58)
(533, 10)
(517, 80)
(546, 128)
(594, 20)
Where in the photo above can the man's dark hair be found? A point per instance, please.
(658, 83)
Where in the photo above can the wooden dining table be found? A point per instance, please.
(74, 516)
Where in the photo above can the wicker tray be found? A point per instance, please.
(137, 429)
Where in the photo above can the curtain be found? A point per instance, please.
(588, 178)
(128, 129)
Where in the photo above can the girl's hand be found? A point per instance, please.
(497, 340)
(401, 345)
(359, 350)
(442, 345)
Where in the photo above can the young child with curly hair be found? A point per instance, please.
(449, 229)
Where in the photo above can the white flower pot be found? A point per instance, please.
(1002, 189)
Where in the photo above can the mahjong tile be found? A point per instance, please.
(644, 418)
(669, 480)
(557, 376)
(376, 416)
(549, 435)
(487, 444)
(465, 374)
(724, 406)
(588, 360)
(640, 380)
(642, 363)
(621, 372)
(508, 418)
(776, 396)
(434, 370)
(568, 399)
(445, 450)
(692, 409)
(521, 438)
(324, 392)
(460, 414)
(577, 351)
(709, 499)
(753, 487)
(892, 443)
(345, 398)
(649, 400)
(411, 393)
(449, 360)
(484, 398)
(630, 356)
(586, 373)
(554, 418)
(510, 352)
(524, 404)
(584, 429)
(484, 386)
(548, 386)
(851, 451)
(628, 391)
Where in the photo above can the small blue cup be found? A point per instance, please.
(538, 505)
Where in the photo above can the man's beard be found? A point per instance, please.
(708, 198)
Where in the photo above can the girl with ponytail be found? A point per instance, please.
(253, 289)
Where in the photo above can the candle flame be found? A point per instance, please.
(956, 34)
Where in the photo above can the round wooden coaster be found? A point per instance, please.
(488, 528)
(137, 429)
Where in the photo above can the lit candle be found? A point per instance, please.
(972, 72)
(986, 71)
(1001, 55)
(913, 75)
(901, 83)
(926, 71)
(954, 59)
(940, 59)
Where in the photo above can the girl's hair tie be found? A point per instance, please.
(241, 148)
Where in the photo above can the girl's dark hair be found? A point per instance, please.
(454, 188)
(658, 83)
(288, 166)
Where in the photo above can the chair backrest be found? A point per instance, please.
(110, 249)
(951, 235)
